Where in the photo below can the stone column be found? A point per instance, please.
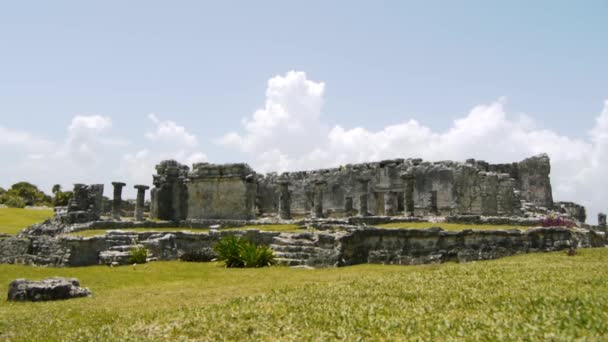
(601, 222)
(117, 200)
(363, 189)
(284, 201)
(319, 189)
(389, 201)
(408, 200)
(139, 203)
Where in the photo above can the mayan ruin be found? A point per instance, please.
(336, 209)
(303, 171)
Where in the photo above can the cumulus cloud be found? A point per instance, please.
(170, 132)
(290, 118)
(91, 153)
(294, 105)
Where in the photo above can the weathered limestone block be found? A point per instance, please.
(390, 203)
(47, 289)
(574, 210)
(363, 197)
(117, 199)
(225, 191)
(169, 197)
(139, 203)
(534, 181)
(284, 200)
(410, 181)
(319, 189)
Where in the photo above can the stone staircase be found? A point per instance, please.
(306, 249)
(119, 251)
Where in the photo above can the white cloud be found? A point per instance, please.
(289, 120)
(293, 105)
(25, 140)
(170, 132)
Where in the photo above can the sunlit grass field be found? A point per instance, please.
(527, 297)
(12, 220)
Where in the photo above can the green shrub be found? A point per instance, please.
(12, 201)
(138, 255)
(239, 252)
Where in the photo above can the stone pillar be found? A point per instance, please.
(117, 200)
(319, 189)
(284, 201)
(601, 222)
(408, 200)
(97, 199)
(389, 201)
(139, 203)
(363, 189)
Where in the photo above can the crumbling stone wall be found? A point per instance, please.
(351, 246)
(221, 192)
(392, 187)
(574, 210)
(534, 182)
(435, 245)
(169, 197)
(86, 205)
(439, 188)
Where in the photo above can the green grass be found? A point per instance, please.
(12, 220)
(448, 226)
(526, 297)
(270, 227)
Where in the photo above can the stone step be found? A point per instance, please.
(296, 255)
(293, 242)
(292, 248)
(125, 248)
(289, 262)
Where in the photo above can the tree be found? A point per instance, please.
(56, 188)
(29, 194)
(62, 198)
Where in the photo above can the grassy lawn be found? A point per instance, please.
(526, 297)
(12, 220)
(270, 227)
(448, 226)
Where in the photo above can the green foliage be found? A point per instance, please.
(23, 193)
(56, 188)
(531, 297)
(138, 255)
(229, 251)
(12, 201)
(62, 198)
(239, 252)
(12, 220)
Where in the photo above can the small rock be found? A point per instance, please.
(47, 289)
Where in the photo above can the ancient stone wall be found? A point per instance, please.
(534, 182)
(439, 188)
(353, 245)
(169, 197)
(221, 192)
(435, 245)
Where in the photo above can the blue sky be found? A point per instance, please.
(202, 68)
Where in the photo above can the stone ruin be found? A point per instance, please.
(85, 205)
(341, 204)
(403, 187)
